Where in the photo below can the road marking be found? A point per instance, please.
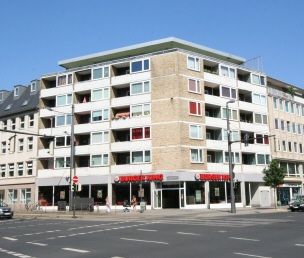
(148, 230)
(117, 257)
(75, 250)
(187, 233)
(245, 239)
(14, 253)
(299, 244)
(145, 241)
(252, 255)
(10, 238)
(222, 231)
(36, 243)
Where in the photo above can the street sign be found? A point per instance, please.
(75, 179)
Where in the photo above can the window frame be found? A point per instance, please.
(143, 152)
(197, 65)
(103, 110)
(200, 155)
(65, 141)
(142, 109)
(199, 129)
(198, 108)
(102, 94)
(67, 77)
(103, 73)
(33, 86)
(259, 76)
(142, 65)
(103, 141)
(66, 99)
(143, 133)
(229, 69)
(65, 120)
(65, 163)
(102, 160)
(142, 87)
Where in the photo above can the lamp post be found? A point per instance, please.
(232, 197)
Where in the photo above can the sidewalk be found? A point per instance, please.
(146, 215)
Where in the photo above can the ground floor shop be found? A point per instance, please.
(288, 191)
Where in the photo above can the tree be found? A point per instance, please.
(291, 90)
(274, 176)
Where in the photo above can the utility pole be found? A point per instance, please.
(72, 163)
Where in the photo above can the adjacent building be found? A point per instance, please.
(18, 153)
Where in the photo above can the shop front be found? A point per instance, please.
(287, 191)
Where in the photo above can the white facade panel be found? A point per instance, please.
(56, 91)
(130, 122)
(251, 87)
(91, 127)
(256, 148)
(89, 106)
(130, 100)
(136, 77)
(131, 146)
(131, 169)
(253, 169)
(221, 80)
(222, 168)
(62, 130)
(92, 149)
(253, 107)
(262, 129)
(93, 84)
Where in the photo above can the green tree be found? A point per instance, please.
(274, 176)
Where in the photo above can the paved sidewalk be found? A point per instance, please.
(146, 215)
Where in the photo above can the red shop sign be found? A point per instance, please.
(212, 177)
(144, 178)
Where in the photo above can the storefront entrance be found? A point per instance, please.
(170, 198)
(169, 195)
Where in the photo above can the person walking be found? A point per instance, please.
(134, 202)
(108, 205)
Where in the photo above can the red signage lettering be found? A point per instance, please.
(213, 177)
(144, 178)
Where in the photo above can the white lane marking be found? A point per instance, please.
(145, 241)
(222, 231)
(117, 257)
(36, 243)
(299, 244)
(14, 253)
(245, 239)
(10, 238)
(148, 230)
(252, 255)
(75, 250)
(187, 233)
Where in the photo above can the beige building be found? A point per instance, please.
(18, 143)
(286, 122)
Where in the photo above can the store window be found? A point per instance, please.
(195, 193)
(217, 192)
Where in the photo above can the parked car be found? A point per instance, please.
(5, 211)
(297, 204)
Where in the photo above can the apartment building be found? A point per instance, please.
(286, 121)
(155, 114)
(18, 154)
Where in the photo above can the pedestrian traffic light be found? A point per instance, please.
(74, 188)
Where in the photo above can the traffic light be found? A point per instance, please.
(74, 188)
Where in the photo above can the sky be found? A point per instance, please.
(36, 34)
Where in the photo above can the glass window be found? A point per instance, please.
(258, 118)
(33, 86)
(261, 159)
(59, 162)
(137, 133)
(11, 169)
(20, 170)
(140, 87)
(3, 170)
(195, 193)
(136, 110)
(61, 80)
(97, 73)
(3, 147)
(12, 196)
(60, 120)
(226, 92)
(275, 102)
(30, 143)
(96, 160)
(20, 144)
(141, 65)
(217, 192)
(195, 131)
(147, 156)
(196, 155)
(63, 100)
(100, 137)
(195, 108)
(194, 86)
(255, 79)
(137, 157)
(193, 63)
(97, 115)
(96, 94)
(224, 71)
(29, 168)
(25, 195)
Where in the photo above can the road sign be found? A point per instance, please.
(75, 179)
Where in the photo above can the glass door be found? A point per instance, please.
(181, 198)
(157, 199)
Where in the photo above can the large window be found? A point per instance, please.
(100, 94)
(257, 79)
(62, 162)
(193, 63)
(140, 156)
(25, 195)
(262, 159)
(258, 99)
(140, 88)
(63, 100)
(99, 160)
(141, 110)
(228, 92)
(196, 155)
(195, 108)
(100, 137)
(195, 132)
(64, 79)
(20, 145)
(100, 72)
(235, 156)
(217, 192)
(12, 196)
(62, 141)
(227, 71)
(234, 135)
(194, 86)
(232, 114)
(140, 66)
(3, 147)
(195, 193)
(3, 170)
(140, 133)
(100, 115)
(63, 120)
(260, 119)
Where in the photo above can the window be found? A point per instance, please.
(282, 125)
(13, 123)
(3, 170)
(258, 99)
(140, 88)
(100, 72)
(299, 129)
(228, 72)
(235, 157)
(195, 108)
(22, 122)
(99, 160)
(295, 147)
(20, 144)
(292, 107)
(275, 102)
(288, 126)
(11, 169)
(276, 123)
(287, 105)
(293, 127)
(62, 141)
(100, 94)
(12, 196)
(25, 195)
(31, 120)
(140, 66)
(3, 147)
(63, 120)
(62, 162)
(140, 156)
(228, 92)
(257, 79)
(4, 123)
(262, 139)
(284, 145)
(300, 148)
(194, 86)
(281, 104)
(65, 79)
(260, 119)
(100, 115)
(289, 147)
(234, 135)
(262, 159)
(195, 132)
(20, 168)
(16, 92)
(100, 137)
(232, 114)
(63, 100)
(193, 63)
(33, 86)
(30, 143)
(29, 168)
(196, 155)
(140, 110)
(140, 133)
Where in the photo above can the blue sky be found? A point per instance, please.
(36, 34)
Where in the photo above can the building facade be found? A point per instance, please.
(153, 116)
(18, 155)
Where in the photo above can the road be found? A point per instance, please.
(272, 235)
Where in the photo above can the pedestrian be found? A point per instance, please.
(134, 202)
(108, 205)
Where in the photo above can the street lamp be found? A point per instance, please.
(72, 158)
(232, 201)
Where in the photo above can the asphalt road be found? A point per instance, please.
(274, 235)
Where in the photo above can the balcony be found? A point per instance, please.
(130, 100)
(128, 78)
(131, 169)
(130, 122)
(45, 93)
(130, 145)
(92, 84)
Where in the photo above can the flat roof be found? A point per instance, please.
(148, 47)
